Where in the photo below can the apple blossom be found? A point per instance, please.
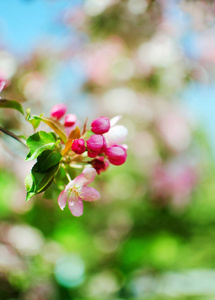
(77, 190)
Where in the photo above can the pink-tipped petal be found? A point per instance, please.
(115, 120)
(76, 207)
(116, 135)
(2, 84)
(62, 199)
(86, 177)
(89, 194)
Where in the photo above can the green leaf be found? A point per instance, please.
(39, 142)
(52, 192)
(47, 160)
(55, 125)
(42, 173)
(4, 103)
(41, 180)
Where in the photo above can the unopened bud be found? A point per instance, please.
(70, 120)
(116, 155)
(100, 125)
(58, 111)
(96, 144)
(78, 146)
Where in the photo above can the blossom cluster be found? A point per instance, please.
(94, 149)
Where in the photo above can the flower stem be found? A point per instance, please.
(67, 174)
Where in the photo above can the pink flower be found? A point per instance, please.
(77, 190)
(58, 111)
(78, 146)
(100, 125)
(116, 155)
(117, 133)
(96, 144)
(70, 120)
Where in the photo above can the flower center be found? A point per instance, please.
(75, 192)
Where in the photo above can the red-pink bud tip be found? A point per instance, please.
(99, 164)
(116, 155)
(78, 146)
(70, 120)
(100, 125)
(58, 111)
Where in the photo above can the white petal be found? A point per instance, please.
(116, 135)
(114, 120)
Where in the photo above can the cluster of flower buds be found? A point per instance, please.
(94, 150)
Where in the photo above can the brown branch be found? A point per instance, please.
(12, 135)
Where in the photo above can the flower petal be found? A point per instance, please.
(114, 120)
(86, 177)
(70, 185)
(89, 194)
(62, 199)
(116, 135)
(76, 207)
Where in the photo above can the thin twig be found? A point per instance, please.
(12, 135)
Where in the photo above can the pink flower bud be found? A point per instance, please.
(116, 154)
(99, 164)
(58, 111)
(100, 125)
(70, 120)
(96, 145)
(78, 146)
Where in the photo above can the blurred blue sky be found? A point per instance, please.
(24, 22)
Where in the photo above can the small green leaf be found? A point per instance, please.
(55, 125)
(28, 182)
(34, 122)
(4, 103)
(39, 142)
